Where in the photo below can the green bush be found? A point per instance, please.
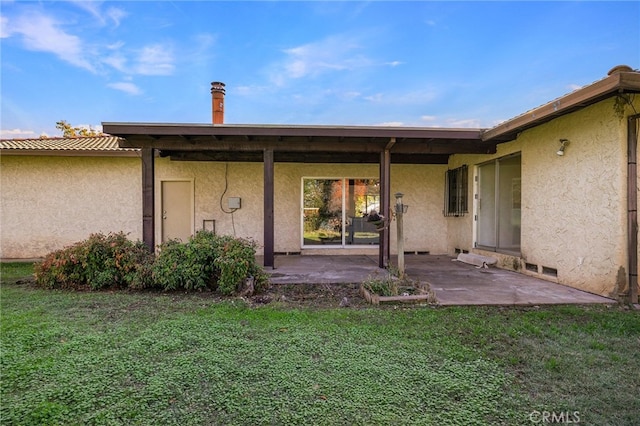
(101, 261)
(208, 261)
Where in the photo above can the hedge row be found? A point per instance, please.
(207, 261)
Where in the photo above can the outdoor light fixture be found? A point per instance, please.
(563, 146)
(400, 207)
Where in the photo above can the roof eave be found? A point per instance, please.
(124, 129)
(620, 82)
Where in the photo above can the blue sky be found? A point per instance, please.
(419, 63)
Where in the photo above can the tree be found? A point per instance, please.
(68, 131)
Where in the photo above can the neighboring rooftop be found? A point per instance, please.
(93, 145)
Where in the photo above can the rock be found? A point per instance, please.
(344, 303)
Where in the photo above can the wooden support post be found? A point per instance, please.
(400, 233)
(148, 198)
(385, 204)
(632, 206)
(268, 209)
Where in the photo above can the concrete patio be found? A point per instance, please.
(454, 283)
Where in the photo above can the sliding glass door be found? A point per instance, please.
(499, 205)
(340, 212)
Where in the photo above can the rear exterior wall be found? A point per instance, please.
(422, 186)
(574, 207)
(49, 202)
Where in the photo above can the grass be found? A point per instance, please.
(13, 271)
(187, 359)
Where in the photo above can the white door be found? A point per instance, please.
(177, 207)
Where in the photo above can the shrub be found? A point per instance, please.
(386, 286)
(208, 261)
(98, 262)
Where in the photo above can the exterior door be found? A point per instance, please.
(177, 208)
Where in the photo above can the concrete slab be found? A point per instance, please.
(454, 283)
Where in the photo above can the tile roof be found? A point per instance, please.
(94, 143)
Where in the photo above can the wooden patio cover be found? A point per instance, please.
(301, 144)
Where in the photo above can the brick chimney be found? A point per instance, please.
(217, 102)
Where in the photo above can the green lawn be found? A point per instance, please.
(173, 358)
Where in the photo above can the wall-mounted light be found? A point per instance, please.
(400, 206)
(563, 146)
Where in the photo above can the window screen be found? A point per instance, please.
(455, 198)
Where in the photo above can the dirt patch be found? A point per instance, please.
(312, 295)
(285, 295)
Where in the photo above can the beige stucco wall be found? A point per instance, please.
(425, 228)
(574, 206)
(50, 202)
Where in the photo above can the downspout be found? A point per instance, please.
(632, 206)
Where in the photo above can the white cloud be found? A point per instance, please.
(393, 63)
(4, 27)
(154, 59)
(116, 15)
(95, 127)
(574, 87)
(349, 95)
(416, 97)
(16, 133)
(103, 17)
(378, 97)
(435, 121)
(464, 123)
(392, 124)
(117, 61)
(335, 53)
(42, 33)
(126, 87)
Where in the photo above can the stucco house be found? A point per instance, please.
(550, 193)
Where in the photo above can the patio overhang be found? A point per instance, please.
(304, 144)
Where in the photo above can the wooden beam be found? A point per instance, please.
(304, 157)
(385, 207)
(148, 198)
(243, 144)
(632, 206)
(269, 229)
(333, 145)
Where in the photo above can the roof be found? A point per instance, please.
(332, 144)
(620, 79)
(92, 145)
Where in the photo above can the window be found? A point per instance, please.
(455, 197)
(499, 204)
(339, 211)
